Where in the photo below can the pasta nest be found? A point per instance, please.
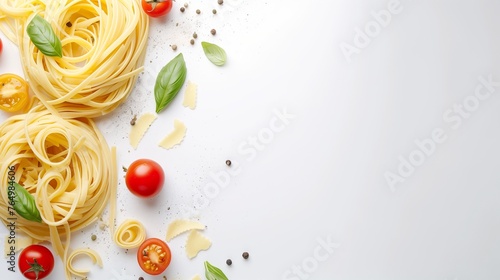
(103, 46)
(65, 164)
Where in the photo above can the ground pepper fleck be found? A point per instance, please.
(191, 42)
(133, 120)
(213, 31)
(183, 9)
(93, 237)
(141, 278)
(198, 11)
(214, 11)
(69, 24)
(245, 255)
(229, 262)
(220, 2)
(174, 47)
(228, 162)
(195, 35)
(185, 5)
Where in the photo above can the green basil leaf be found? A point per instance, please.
(25, 205)
(169, 82)
(213, 273)
(43, 37)
(214, 53)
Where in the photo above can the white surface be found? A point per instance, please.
(322, 176)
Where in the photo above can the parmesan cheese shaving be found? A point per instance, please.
(175, 137)
(190, 96)
(196, 242)
(180, 226)
(138, 130)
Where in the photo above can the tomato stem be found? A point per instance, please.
(34, 267)
(154, 3)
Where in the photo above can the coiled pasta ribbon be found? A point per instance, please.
(130, 234)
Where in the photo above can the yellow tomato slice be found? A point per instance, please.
(13, 93)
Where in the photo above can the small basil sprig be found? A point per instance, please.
(43, 37)
(25, 205)
(169, 82)
(213, 273)
(214, 53)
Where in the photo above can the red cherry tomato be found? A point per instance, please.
(36, 262)
(156, 8)
(154, 256)
(1, 46)
(145, 178)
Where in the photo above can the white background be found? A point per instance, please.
(322, 177)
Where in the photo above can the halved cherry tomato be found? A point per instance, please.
(1, 46)
(36, 262)
(145, 178)
(154, 256)
(13, 93)
(156, 8)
